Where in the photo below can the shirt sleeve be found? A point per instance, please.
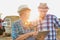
(56, 22)
(16, 32)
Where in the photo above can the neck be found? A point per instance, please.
(23, 20)
(42, 18)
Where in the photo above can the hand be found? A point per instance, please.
(35, 34)
(32, 24)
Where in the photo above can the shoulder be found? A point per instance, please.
(51, 15)
(16, 23)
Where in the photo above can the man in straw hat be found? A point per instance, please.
(20, 30)
(47, 21)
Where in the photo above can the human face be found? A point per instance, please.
(24, 14)
(43, 10)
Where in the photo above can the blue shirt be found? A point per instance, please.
(17, 29)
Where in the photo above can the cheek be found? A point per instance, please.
(27, 16)
(44, 14)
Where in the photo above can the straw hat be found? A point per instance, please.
(22, 7)
(43, 5)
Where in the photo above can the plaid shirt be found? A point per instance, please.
(17, 30)
(49, 23)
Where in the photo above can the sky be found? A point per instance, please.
(10, 7)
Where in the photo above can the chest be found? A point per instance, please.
(46, 24)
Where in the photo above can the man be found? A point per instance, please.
(47, 22)
(20, 28)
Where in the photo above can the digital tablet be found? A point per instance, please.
(41, 35)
